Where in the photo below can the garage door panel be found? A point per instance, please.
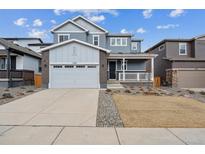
(74, 77)
(191, 79)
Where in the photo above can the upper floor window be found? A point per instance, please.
(63, 37)
(182, 48)
(96, 39)
(118, 41)
(134, 45)
(161, 47)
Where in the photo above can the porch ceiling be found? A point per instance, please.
(131, 56)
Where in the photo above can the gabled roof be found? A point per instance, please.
(92, 23)
(71, 41)
(167, 40)
(22, 38)
(68, 21)
(21, 49)
(174, 40)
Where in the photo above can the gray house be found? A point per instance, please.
(180, 62)
(17, 64)
(85, 55)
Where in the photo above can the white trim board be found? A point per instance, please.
(70, 41)
(67, 21)
(92, 23)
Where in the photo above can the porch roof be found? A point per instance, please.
(19, 49)
(132, 56)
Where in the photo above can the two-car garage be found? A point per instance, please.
(73, 64)
(74, 76)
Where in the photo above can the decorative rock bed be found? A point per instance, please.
(107, 114)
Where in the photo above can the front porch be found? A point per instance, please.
(130, 68)
(11, 74)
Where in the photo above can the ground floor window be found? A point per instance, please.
(2, 63)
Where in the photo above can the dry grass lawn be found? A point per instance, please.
(160, 111)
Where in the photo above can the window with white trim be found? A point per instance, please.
(118, 41)
(125, 65)
(182, 48)
(96, 40)
(63, 37)
(134, 45)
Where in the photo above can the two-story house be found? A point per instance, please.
(85, 55)
(180, 62)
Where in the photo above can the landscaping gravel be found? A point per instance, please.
(107, 114)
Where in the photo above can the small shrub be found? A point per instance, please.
(30, 91)
(191, 92)
(202, 92)
(23, 88)
(108, 90)
(7, 95)
(127, 91)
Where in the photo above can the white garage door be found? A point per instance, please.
(74, 76)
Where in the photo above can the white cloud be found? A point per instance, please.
(124, 31)
(37, 33)
(97, 18)
(95, 15)
(37, 23)
(147, 13)
(176, 13)
(86, 12)
(141, 30)
(53, 21)
(168, 26)
(20, 22)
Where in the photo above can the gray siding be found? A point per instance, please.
(87, 25)
(119, 49)
(69, 27)
(79, 36)
(190, 64)
(138, 47)
(160, 65)
(102, 39)
(200, 49)
(172, 50)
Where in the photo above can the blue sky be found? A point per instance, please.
(150, 25)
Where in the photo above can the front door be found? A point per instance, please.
(112, 69)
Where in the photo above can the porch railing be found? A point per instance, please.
(135, 77)
(26, 75)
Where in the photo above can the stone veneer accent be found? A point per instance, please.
(171, 77)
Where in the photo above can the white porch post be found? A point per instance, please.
(123, 68)
(152, 69)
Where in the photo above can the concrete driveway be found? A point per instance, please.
(53, 107)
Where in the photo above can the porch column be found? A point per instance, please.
(123, 68)
(152, 69)
(9, 68)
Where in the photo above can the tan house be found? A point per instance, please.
(180, 62)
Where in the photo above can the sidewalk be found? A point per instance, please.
(96, 135)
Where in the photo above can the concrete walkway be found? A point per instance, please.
(96, 135)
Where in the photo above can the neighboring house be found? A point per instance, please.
(180, 62)
(32, 43)
(17, 64)
(85, 55)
